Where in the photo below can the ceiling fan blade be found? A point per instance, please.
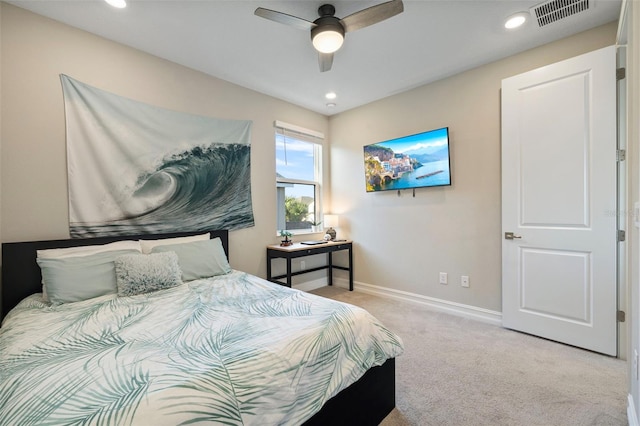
(372, 15)
(325, 60)
(284, 18)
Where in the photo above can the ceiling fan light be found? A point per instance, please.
(328, 41)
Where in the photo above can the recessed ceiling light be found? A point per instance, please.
(516, 20)
(330, 95)
(117, 3)
(331, 104)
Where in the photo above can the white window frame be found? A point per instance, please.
(309, 136)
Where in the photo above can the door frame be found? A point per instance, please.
(624, 212)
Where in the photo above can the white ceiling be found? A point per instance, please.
(430, 40)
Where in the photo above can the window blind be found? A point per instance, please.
(296, 132)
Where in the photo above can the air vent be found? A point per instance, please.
(555, 10)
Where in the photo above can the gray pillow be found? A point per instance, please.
(72, 279)
(199, 259)
(144, 273)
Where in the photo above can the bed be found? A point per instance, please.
(224, 349)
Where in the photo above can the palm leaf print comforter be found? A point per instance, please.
(232, 349)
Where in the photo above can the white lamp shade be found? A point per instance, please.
(328, 41)
(331, 220)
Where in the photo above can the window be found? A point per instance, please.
(298, 177)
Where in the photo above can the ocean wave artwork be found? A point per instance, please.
(137, 168)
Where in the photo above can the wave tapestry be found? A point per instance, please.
(135, 168)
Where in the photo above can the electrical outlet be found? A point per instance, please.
(464, 281)
(443, 278)
(303, 265)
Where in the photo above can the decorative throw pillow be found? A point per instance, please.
(199, 259)
(144, 273)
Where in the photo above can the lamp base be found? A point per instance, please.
(331, 232)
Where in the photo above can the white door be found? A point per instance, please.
(559, 201)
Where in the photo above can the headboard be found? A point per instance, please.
(21, 274)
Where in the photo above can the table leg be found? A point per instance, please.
(330, 267)
(288, 272)
(350, 269)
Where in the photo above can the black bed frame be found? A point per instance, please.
(366, 402)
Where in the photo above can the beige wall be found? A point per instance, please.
(35, 50)
(404, 242)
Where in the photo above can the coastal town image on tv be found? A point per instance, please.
(414, 161)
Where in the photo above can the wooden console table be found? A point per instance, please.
(301, 250)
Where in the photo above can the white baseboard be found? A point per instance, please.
(631, 412)
(454, 308)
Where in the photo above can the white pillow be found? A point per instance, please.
(88, 250)
(147, 245)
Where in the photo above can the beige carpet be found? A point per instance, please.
(457, 371)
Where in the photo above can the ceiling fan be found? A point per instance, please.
(327, 32)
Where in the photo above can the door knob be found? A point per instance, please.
(511, 236)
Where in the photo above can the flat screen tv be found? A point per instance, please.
(413, 161)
